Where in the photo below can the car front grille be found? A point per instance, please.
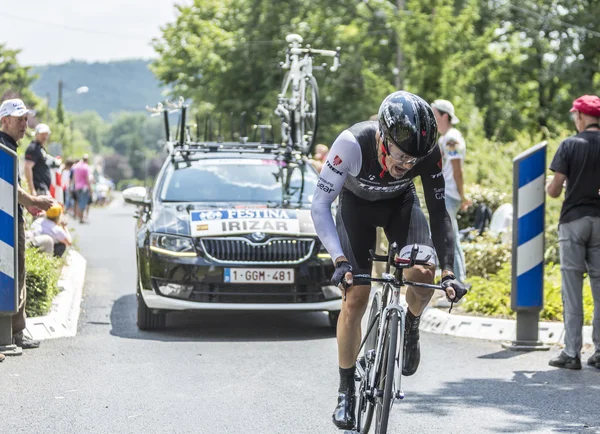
(267, 294)
(238, 250)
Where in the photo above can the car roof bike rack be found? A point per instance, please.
(183, 145)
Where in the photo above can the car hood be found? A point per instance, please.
(199, 221)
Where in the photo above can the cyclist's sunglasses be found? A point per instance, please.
(399, 156)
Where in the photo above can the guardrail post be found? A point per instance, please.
(8, 249)
(529, 203)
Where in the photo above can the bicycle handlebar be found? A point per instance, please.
(311, 51)
(400, 264)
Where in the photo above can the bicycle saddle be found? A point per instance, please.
(293, 38)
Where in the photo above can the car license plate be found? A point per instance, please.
(259, 275)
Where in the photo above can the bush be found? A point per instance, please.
(491, 297)
(485, 256)
(43, 272)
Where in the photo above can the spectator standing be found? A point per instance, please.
(454, 150)
(38, 162)
(82, 186)
(65, 177)
(13, 119)
(577, 162)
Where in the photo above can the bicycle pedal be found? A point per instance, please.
(400, 395)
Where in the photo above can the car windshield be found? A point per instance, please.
(236, 180)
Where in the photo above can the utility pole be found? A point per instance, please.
(47, 106)
(60, 114)
(399, 56)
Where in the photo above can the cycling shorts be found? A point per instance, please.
(357, 220)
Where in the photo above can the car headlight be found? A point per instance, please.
(172, 245)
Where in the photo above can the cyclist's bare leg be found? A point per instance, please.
(418, 298)
(349, 324)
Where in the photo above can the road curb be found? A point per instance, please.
(63, 317)
(436, 320)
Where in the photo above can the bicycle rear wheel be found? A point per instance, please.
(309, 116)
(383, 405)
(365, 404)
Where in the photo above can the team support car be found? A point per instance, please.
(228, 229)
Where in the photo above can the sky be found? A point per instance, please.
(56, 31)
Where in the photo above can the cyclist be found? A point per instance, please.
(370, 167)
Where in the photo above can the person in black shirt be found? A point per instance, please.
(577, 162)
(38, 162)
(13, 119)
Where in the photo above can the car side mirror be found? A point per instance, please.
(136, 196)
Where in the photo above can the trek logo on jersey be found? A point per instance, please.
(337, 160)
(333, 169)
(386, 189)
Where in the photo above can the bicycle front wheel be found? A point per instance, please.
(384, 404)
(309, 116)
(365, 404)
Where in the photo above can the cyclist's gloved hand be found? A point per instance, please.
(453, 288)
(343, 270)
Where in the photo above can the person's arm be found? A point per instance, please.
(28, 200)
(29, 176)
(344, 158)
(442, 233)
(457, 172)
(63, 235)
(555, 185)
(560, 167)
(455, 149)
(32, 156)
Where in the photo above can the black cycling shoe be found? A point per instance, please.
(343, 415)
(412, 348)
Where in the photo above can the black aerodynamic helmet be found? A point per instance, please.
(407, 121)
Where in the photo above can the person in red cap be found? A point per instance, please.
(577, 161)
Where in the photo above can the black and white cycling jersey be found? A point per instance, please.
(353, 166)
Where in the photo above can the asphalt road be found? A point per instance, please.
(256, 373)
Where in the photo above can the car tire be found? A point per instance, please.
(148, 319)
(333, 318)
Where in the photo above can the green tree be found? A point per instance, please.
(93, 128)
(15, 80)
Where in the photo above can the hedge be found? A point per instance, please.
(491, 296)
(43, 272)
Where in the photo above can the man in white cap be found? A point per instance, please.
(13, 119)
(38, 162)
(454, 150)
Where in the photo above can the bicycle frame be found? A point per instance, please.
(384, 312)
(390, 302)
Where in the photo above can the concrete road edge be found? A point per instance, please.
(437, 320)
(63, 317)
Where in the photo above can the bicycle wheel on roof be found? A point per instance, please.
(309, 116)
